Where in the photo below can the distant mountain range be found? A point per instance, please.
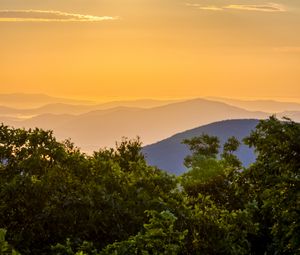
(92, 126)
(100, 128)
(24, 105)
(169, 154)
(53, 105)
(260, 105)
(24, 100)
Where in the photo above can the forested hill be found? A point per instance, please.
(169, 154)
(56, 200)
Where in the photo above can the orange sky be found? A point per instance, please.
(151, 48)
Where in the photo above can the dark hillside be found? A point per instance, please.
(168, 154)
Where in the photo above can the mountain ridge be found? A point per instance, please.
(103, 128)
(95, 129)
(168, 154)
(274, 106)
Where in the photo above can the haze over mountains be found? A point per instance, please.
(92, 126)
(260, 105)
(24, 105)
(23, 100)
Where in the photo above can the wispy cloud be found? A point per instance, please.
(210, 8)
(268, 7)
(48, 16)
(205, 7)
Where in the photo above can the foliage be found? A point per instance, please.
(56, 200)
(207, 174)
(158, 237)
(204, 145)
(273, 181)
(5, 248)
(216, 230)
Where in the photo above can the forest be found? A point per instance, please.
(55, 199)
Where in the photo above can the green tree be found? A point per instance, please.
(50, 191)
(273, 181)
(5, 248)
(209, 175)
(158, 237)
(229, 159)
(54, 199)
(204, 145)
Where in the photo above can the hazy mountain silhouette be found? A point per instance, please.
(260, 105)
(23, 100)
(169, 154)
(68, 108)
(28, 105)
(100, 128)
(8, 111)
(46, 121)
(294, 115)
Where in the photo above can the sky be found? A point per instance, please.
(124, 49)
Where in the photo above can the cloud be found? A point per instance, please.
(269, 7)
(48, 16)
(208, 7)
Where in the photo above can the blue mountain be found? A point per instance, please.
(169, 154)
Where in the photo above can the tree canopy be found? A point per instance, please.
(54, 199)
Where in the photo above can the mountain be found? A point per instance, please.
(169, 154)
(67, 108)
(23, 100)
(100, 128)
(75, 108)
(294, 115)
(60, 108)
(272, 106)
(8, 111)
(45, 121)
(140, 103)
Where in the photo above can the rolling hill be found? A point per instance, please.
(24, 100)
(23, 105)
(260, 105)
(59, 105)
(169, 154)
(100, 128)
(294, 115)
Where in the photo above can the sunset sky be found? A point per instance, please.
(151, 48)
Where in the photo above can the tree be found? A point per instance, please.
(228, 156)
(204, 145)
(273, 181)
(50, 191)
(157, 237)
(209, 175)
(54, 199)
(5, 248)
